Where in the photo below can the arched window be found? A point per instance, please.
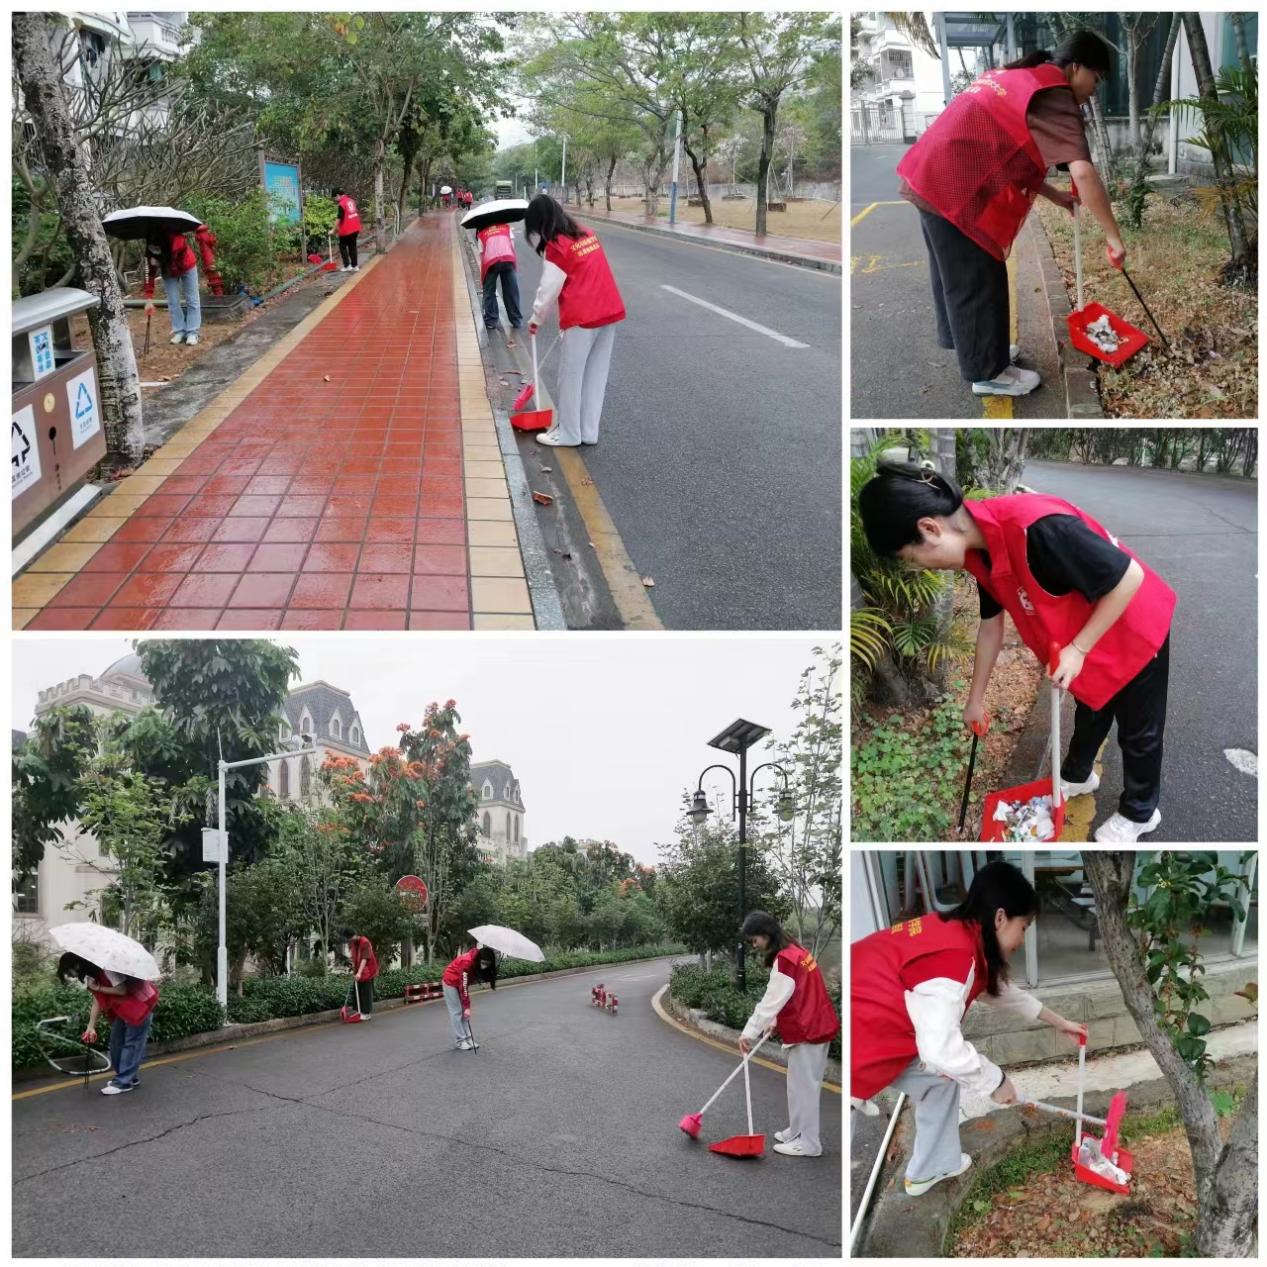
(283, 780)
(305, 778)
(516, 829)
(488, 790)
(488, 824)
(355, 733)
(508, 825)
(336, 727)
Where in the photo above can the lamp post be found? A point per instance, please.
(738, 737)
(302, 743)
(563, 172)
(677, 154)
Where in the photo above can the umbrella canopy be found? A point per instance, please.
(499, 211)
(142, 222)
(446, 189)
(507, 941)
(108, 949)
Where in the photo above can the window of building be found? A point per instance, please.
(336, 727)
(283, 780)
(487, 790)
(488, 824)
(26, 895)
(355, 733)
(305, 778)
(895, 63)
(516, 829)
(508, 824)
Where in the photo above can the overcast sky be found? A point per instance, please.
(604, 733)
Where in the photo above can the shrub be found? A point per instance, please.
(246, 246)
(247, 1011)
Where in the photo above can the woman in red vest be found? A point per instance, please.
(129, 1003)
(1062, 578)
(974, 174)
(364, 970)
(577, 274)
(498, 260)
(170, 257)
(477, 964)
(795, 1003)
(910, 987)
(348, 227)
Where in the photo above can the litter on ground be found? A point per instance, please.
(1026, 820)
(1101, 333)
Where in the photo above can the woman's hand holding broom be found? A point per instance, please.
(1074, 1029)
(1068, 667)
(1005, 1092)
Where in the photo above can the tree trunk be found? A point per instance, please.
(1005, 458)
(1131, 33)
(769, 116)
(1232, 214)
(1225, 1210)
(607, 181)
(701, 179)
(41, 83)
(943, 607)
(1242, 45)
(1161, 91)
(380, 217)
(1101, 133)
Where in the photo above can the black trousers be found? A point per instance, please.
(970, 299)
(1139, 709)
(366, 989)
(347, 249)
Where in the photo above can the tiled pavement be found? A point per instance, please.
(351, 479)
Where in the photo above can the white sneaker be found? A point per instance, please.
(178, 337)
(794, 1148)
(1011, 382)
(366, 1016)
(347, 268)
(550, 437)
(356, 268)
(190, 340)
(1121, 831)
(464, 1045)
(1013, 351)
(917, 1187)
(1078, 789)
(784, 1136)
(113, 1088)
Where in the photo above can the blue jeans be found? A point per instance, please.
(127, 1049)
(183, 304)
(510, 295)
(453, 1001)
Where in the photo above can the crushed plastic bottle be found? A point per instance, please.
(1101, 333)
(1090, 1156)
(1026, 820)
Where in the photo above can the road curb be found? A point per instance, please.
(695, 1022)
(835, 267)
(1082, 388)
(231, 1034)
(543, 593)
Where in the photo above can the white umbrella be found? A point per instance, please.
(507, 942)
(107, 949)
(446, 189)
(498, 211)
(141, 222)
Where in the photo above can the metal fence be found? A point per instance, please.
(878, 123)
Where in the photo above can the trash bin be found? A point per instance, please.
(58, 434)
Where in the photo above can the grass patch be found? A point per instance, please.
(812, 219)
(1211, 370)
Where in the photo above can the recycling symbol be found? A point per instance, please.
(20, 438)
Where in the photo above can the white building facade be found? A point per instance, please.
(500, 813)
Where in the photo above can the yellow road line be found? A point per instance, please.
(712, 1042)
(999, 408)
(875, 264)
(894, 202)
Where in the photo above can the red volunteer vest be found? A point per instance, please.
(351, 222)
(131, 1008)
(182, 260)
(808, 1016)
(362, 951)
(457, 969)
(977, 164)
(1041, 618)
(589, 297)
(883, 967)
(495, 246)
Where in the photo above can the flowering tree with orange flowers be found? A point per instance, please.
(413, 812)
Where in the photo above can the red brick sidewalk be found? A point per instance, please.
(327, 494)
(771, 244)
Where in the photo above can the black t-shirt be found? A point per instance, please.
(1063, 555)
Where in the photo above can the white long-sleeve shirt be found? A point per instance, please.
(548, 288)
(777, 992)
(936, 1008)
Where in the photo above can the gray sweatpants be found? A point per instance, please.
(806, 1064)
(453, 1001)
(586, 358)
(935, 1099)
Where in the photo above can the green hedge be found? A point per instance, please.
(716, 994)
(188, 1009)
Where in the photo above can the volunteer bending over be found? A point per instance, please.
(912, 985)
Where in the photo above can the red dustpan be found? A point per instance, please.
(533, 419)
(750, 1145)
(992, 830)
(1130, 338)
(691, 1122)
(350, 1015)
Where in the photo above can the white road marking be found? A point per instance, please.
(734, 316)
(1245, 761)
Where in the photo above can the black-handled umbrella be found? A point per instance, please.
(498, 211)
(139, 223)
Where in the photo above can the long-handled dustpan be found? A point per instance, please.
(1130, 338)
(692, 1122)
(346, 1014)
(532, 419)
(750, 1145)
(71, 1056)
(993, 830)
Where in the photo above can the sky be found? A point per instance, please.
(604, 733)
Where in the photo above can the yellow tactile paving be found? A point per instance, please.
(38, 589)
(500, 594)
(22, 616)
(490, 532)
(65, 556)
(89, 528)
(502, 620)
(496, 561)
(489, 508)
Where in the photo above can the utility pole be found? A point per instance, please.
(563, 170)
(677, 154)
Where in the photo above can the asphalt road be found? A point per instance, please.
(558, 1138)
(897, 369)
(1200, 534)
(720, 455)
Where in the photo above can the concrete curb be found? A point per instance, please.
(695, 1019)
(1082, 390)
(898, 1226)
(543, 593)
(835, 267)
(231, 1034)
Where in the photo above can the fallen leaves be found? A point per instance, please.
(542, 499)
(649, 582)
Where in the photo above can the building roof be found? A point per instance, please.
(322, 701)
(128, 666)
(497, 773)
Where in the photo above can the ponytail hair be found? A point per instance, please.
(900, 495)
(997, 884)
(1084, 47)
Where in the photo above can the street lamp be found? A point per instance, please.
(738, 737)
(302, 742)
